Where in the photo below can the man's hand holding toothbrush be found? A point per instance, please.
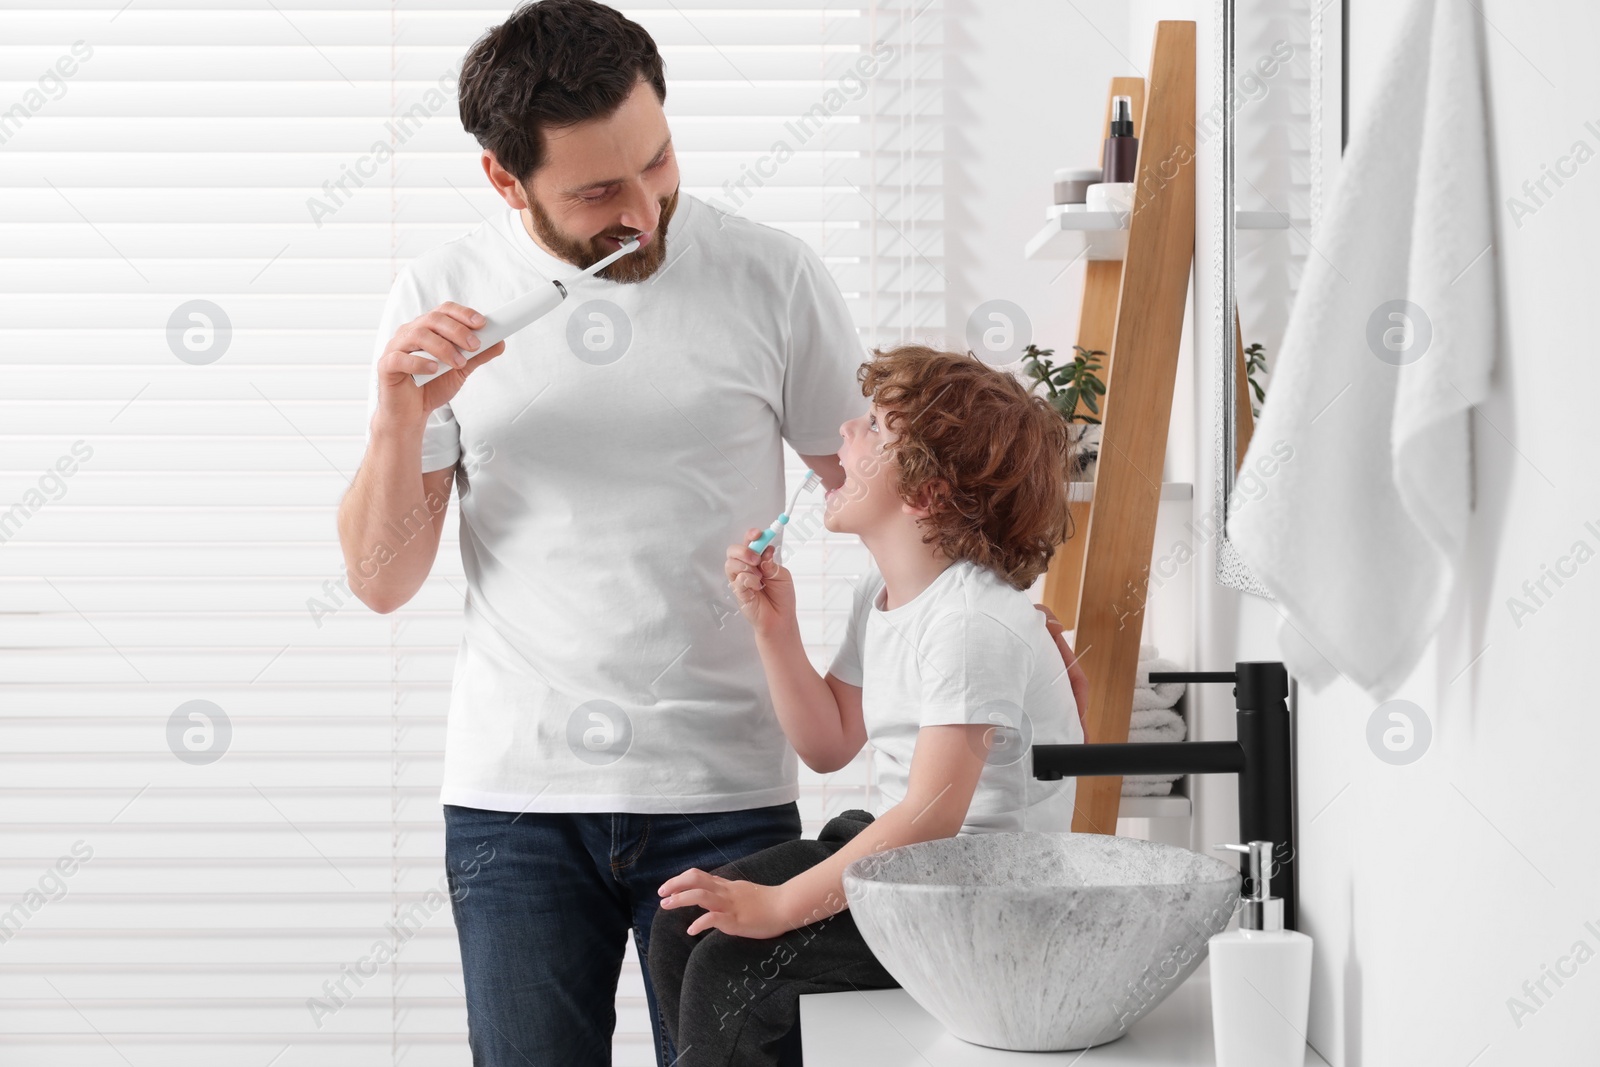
(444, 333)
(391, 488)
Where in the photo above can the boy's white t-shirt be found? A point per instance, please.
(604, 463)
(970, 648)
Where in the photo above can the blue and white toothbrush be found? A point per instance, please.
(759, 545)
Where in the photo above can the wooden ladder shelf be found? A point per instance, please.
(1133, 310)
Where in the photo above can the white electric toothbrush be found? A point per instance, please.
(504, 321)
(759, 545)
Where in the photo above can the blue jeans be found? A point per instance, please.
(543, 903)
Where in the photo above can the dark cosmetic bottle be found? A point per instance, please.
(1122, 147)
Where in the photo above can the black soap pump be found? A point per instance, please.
(1121, 149)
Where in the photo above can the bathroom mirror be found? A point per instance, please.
(1271, 76)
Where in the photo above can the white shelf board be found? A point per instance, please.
(886, 1028)
(1104, 234)
(1080, 234)
(1078, 492)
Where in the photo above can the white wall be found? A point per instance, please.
(1025, 93)
(1477, 864)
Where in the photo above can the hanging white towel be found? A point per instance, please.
(1358, 535)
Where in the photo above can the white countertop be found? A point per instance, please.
(886, 1028)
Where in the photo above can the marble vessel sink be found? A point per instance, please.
(1039, 942)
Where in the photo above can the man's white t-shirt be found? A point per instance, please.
(604, 463)
(969, 648)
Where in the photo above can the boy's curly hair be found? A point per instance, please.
(993, 456)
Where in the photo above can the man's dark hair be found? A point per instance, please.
(552, 63)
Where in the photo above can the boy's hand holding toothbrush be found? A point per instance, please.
(764, 589)
(762, 585)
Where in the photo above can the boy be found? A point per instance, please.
(956, 483)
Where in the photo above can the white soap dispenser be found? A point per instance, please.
(1260, 978)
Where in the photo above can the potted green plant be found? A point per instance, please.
(1255, 363)
(1074, 390)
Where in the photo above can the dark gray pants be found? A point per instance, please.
(731, 1000)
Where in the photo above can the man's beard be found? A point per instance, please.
(634, 267)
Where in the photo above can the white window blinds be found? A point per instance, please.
(218, 771)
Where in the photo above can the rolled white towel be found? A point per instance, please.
(1145, 736)
(1148, 785)
(1168, 728)
(1161, 724)
(1163, 695)
(1151, 700)
(1155, 718)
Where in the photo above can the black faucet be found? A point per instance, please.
(1261, 757)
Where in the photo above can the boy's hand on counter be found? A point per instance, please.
(744, 909)
(762, 585)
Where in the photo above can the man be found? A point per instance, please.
(609, 724)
